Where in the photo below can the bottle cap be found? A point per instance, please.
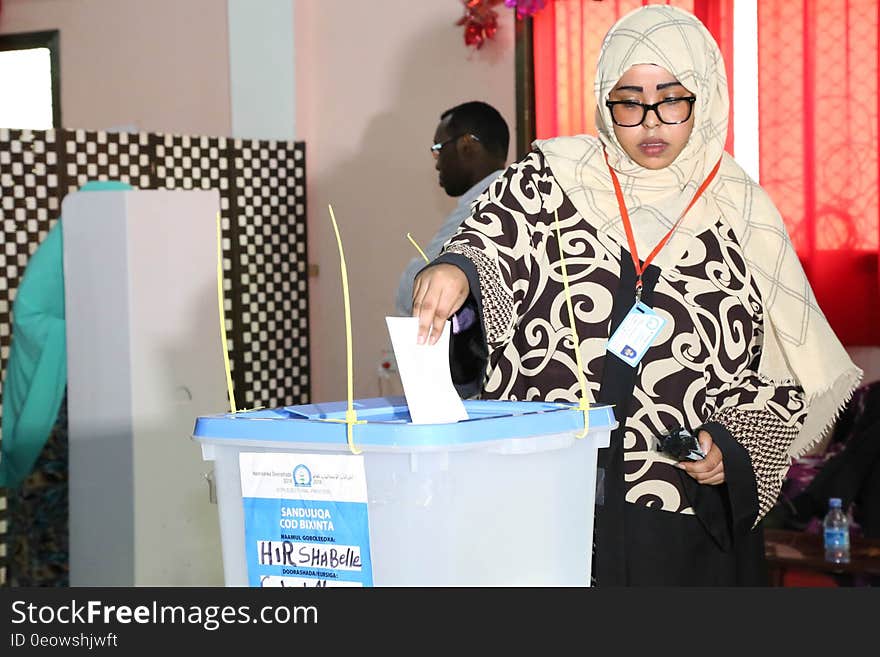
(834, 502)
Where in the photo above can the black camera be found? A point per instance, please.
(681, 445)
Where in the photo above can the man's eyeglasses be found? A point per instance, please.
(629, 113)
(436, 148)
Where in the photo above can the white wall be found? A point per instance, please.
(372, 79)
(159, 66)
(261, 57)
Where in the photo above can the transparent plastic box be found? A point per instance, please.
(504, 498)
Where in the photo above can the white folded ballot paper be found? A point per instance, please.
(424, 373)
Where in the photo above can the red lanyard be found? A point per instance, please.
(627, 226)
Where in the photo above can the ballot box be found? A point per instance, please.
(504, 498)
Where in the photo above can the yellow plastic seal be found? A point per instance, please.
(350, 413)
(583, 404)
(229, 386)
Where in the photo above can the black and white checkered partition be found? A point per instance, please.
(106, 156)
(262, 196)
(29, 202)
(269, 184)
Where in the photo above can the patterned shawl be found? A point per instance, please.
(799, 345)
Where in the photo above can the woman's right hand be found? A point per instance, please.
(438, 292)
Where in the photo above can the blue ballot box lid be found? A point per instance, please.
(387, 423)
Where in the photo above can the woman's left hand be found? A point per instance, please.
(710, 469)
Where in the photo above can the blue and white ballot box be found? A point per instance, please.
(504, 498)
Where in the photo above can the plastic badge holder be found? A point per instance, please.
(504, 498)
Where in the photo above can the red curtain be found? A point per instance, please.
(818, 81)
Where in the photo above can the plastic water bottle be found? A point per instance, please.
(836, 532)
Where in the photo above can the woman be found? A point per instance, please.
(655, 220)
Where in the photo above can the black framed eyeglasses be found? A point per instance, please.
(436, 148)
(630, 113)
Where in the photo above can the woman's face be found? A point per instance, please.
(652, 143)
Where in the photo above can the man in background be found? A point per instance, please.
(470, 150)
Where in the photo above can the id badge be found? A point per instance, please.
(635, 334)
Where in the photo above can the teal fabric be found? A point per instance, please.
(36, 373)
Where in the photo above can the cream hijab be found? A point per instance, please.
(799, 345)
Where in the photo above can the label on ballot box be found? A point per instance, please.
(305, 520)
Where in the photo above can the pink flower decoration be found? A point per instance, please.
(525, 7)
